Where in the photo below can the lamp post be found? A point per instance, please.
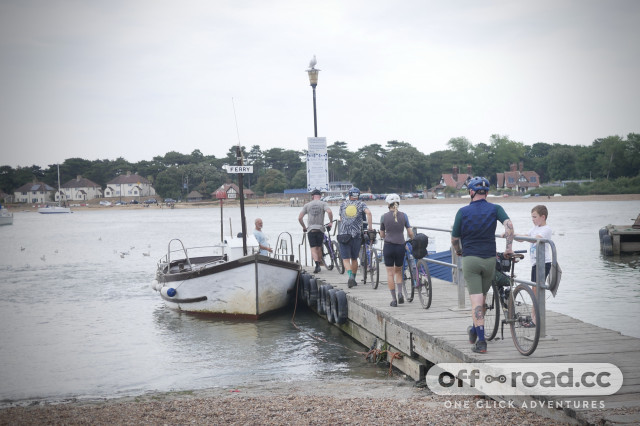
(313, 80)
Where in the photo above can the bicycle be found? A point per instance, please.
(412, 269)
(331, 253)
(369, 259)
(519, 307)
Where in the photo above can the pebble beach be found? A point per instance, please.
(395, 401)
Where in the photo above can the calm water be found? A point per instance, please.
(80, 321)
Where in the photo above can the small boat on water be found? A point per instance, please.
(228, 283)
(6, 218)
(55, 209)
(617, 239)
(236, 281)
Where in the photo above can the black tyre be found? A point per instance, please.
(312, 298)
(326, 256)
(423, 283)
(327, 305)
(305, 287)
(607, 245)
(321, 295)
(523, 313)
(341, 314)
(491, 313)
(407, 279)
(363, 263)
(337, 261)
(334, 306)
(374, 269)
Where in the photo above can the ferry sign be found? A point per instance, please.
(239, 169)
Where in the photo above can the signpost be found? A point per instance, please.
(317, 165)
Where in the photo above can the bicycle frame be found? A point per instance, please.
(333, 252)
(370, 262)
(419, 276)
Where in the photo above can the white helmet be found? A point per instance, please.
(392, 198)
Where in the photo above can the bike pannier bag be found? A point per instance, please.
(419, 245)
(344, 238)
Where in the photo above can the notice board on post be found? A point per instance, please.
(317, 165)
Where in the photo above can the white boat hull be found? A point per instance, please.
(248, 287)
(54, 210)
(6, 219)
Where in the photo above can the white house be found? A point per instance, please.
(129, 185)
(34, 192)
(80, 189)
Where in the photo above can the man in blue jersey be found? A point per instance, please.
(475, 227)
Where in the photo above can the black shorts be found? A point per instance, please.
(315, 238)
(393, 254)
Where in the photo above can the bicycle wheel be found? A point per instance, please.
(407, 279)
(522, 308)
(326, 255)
(363, 263)
(491, 313)
(374, 269)
(337, 259)
(424, 283)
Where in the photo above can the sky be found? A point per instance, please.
(139, 78)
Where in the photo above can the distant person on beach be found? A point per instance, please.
(263, 241)
(540, 229)
(315, 210)
(473, 238)
(350, 233)
(392, 226)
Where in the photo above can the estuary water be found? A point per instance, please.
(81, 321)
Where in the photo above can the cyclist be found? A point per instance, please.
(315, 225)
(475, 227)
(392, 226)
(349, 235)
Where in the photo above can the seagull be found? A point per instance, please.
(122, 255)
(43, 258)
(56, 251)
(146, 254)
(21, 248)
(313, 62)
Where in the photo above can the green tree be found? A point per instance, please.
(339, 159)
(562, 163)
(168, 183)
(273, 181)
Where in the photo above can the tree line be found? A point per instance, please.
(394, 167)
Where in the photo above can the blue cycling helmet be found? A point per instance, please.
(354, 192)
(479, 184)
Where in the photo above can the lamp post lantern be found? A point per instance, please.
(313, 80)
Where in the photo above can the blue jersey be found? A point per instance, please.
(475, 225)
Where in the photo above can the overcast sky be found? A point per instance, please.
(139, 78)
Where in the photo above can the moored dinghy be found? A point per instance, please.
(227, 283)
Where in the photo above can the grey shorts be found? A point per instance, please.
(478, 273)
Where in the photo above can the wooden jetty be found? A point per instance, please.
(617, 239)
(438, 335)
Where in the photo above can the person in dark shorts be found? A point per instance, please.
(392, 226)
(315, 210)
(473, 238)
(350, 233)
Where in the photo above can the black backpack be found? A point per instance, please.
(419, 245)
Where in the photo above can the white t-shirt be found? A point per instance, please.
(544, 232)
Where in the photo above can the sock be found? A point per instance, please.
(400, 287)
(349, 273)
(353, 275)
(317, 263)
(480, 332)
(393, 295)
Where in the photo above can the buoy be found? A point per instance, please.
(168, 291)
(327, 299)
